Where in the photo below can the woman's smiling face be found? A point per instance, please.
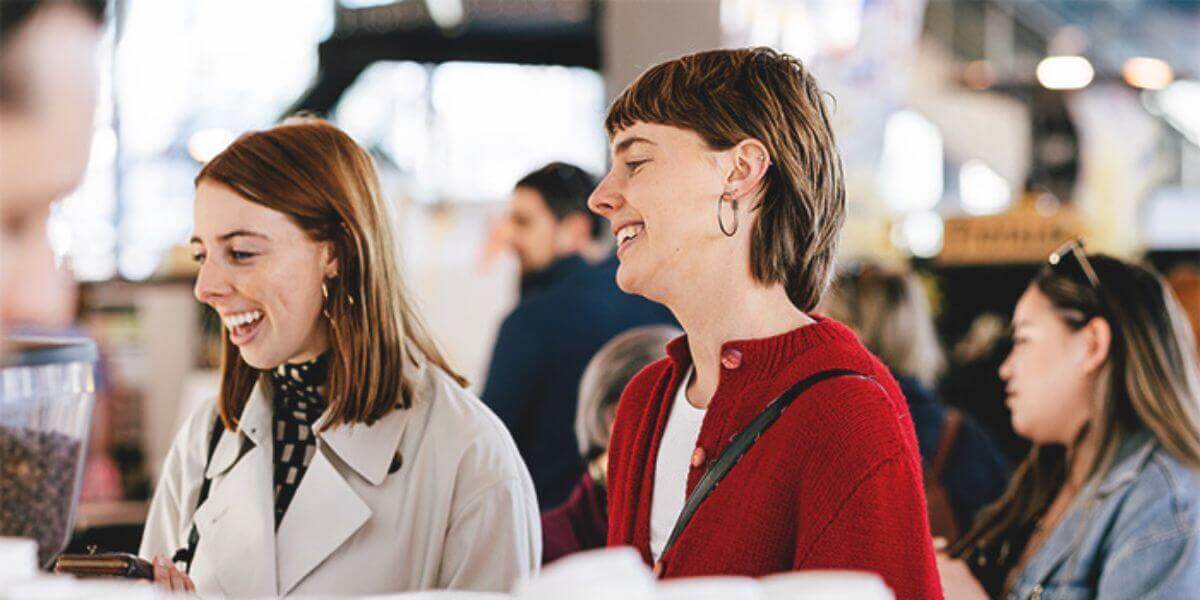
(660, 198)
(262, 273)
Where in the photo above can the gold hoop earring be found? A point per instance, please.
(325, 302)
(721, 220)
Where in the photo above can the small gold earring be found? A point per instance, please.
(325, 302)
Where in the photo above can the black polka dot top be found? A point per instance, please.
(298, 401)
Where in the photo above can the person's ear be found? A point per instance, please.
(574, 232)
(1097, 344)
(329, 261)
(748, 168)
(610, 417)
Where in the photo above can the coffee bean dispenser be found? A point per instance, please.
(47, 392)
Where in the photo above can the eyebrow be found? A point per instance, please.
(232, 234)
(627, 142)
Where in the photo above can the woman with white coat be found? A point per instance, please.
(342, 455)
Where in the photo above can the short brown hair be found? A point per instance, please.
(727, 96)
(319, 177)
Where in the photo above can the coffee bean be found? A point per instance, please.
(37, 487)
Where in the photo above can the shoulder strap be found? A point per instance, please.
(951, 425)
(741, 443)
(185, 554)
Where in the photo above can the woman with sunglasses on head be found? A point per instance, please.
(726, 197)
(1103, 379)
(342, 455)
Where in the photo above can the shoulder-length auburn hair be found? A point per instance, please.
(1150, 382)
(318, 176)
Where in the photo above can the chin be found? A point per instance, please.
(255, 361)
(626, 280)
(1031, 432)
(259, 360)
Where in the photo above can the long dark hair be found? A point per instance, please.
(1151, 382)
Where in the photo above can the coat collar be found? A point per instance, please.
(370, 449)
(237, 522)
(358, 445)
(254, 427)
(1132, 454)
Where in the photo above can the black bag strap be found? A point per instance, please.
(185, 555)
(741, 443)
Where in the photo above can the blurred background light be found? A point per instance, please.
(207, 143)
(1065, 72)
(1147, 73)
(911, 169)
(920, 234)
(983, 191)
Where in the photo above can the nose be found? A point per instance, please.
(1006, 368)
(606, 198)
(211, 283)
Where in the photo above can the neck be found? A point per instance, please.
(317, 344)
(726, 313)
(1079, 457)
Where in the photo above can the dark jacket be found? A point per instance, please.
(976, 472)
(540, 353)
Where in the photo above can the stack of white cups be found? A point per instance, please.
(18, 561)
(710, 588)
(607, 574)
(620, 574)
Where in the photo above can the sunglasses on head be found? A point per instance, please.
(1071, 259)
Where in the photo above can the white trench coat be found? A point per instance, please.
(460, 512)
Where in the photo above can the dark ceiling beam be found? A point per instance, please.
(344, 56)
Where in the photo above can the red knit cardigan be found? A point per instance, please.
(834, 484)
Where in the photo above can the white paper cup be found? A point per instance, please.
(826, 585)
(18, 560)
(441, 595)
(606, 574)
(710, 588)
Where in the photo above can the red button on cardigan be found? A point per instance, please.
(731, 359)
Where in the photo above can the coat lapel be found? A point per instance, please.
(325, 512)
(236, 522)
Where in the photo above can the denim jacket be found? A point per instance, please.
(1135, 534)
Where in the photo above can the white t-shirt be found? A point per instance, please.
(672, 465)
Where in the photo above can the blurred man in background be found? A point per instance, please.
(568, 309)
(547, 228)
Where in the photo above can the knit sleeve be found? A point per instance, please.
(881, 527)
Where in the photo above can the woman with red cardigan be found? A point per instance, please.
(726, 198)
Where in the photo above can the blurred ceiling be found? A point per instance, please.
(1017, 33)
